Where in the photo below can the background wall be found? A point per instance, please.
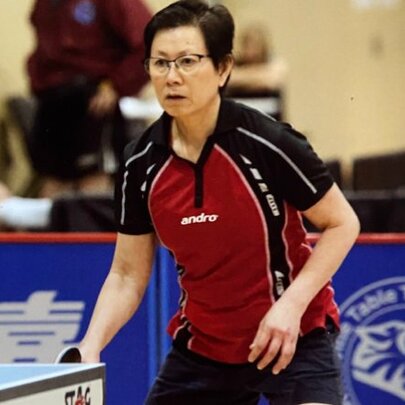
(15, 43)
(346, 66)
(346, 70)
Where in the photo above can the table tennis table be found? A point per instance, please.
(52, 384)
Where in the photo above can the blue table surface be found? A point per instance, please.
(12, 374)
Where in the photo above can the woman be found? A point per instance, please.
(223, 187)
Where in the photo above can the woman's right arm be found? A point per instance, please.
(121, 293)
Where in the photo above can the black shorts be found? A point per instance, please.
(312, 376)
(67, 142)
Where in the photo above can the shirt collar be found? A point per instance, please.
(229, 118)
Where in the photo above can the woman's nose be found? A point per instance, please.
(173, 73)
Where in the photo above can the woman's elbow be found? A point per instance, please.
(352, 225)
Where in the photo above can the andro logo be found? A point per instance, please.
(193, 219)
(372, 344)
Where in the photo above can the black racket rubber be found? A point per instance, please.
(70, 354)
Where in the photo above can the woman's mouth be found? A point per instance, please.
(174, 97)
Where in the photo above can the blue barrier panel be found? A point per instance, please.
(47, 294)
(370, 290)
(48, 291)
(168, 297)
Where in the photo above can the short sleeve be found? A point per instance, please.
(131, 208)
(302, 177)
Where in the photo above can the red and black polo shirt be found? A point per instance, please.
(232, 222)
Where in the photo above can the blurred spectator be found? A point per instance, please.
(88, 55)
(258, 73)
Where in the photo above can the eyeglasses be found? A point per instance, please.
(185, 64)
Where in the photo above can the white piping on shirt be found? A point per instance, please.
(124, 184)
(283, 155)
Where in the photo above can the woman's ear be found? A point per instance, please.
(225, 68)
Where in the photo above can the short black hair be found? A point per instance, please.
(215, 22)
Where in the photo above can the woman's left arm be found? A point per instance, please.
(279, 329)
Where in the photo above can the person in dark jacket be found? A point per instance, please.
(88, 54)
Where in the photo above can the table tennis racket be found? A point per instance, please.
(70, 354)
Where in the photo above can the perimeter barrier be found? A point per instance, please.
(49, 285)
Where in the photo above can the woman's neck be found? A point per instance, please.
(189, 134)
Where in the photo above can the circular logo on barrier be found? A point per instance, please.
(372, 344)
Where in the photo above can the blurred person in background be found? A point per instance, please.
(258, 73)
(88, 54)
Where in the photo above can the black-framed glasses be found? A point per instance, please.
(184, 64)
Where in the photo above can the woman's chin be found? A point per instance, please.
(176, 109)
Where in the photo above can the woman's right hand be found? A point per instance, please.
(88, 355)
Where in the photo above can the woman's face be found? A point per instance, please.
(185, 93)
